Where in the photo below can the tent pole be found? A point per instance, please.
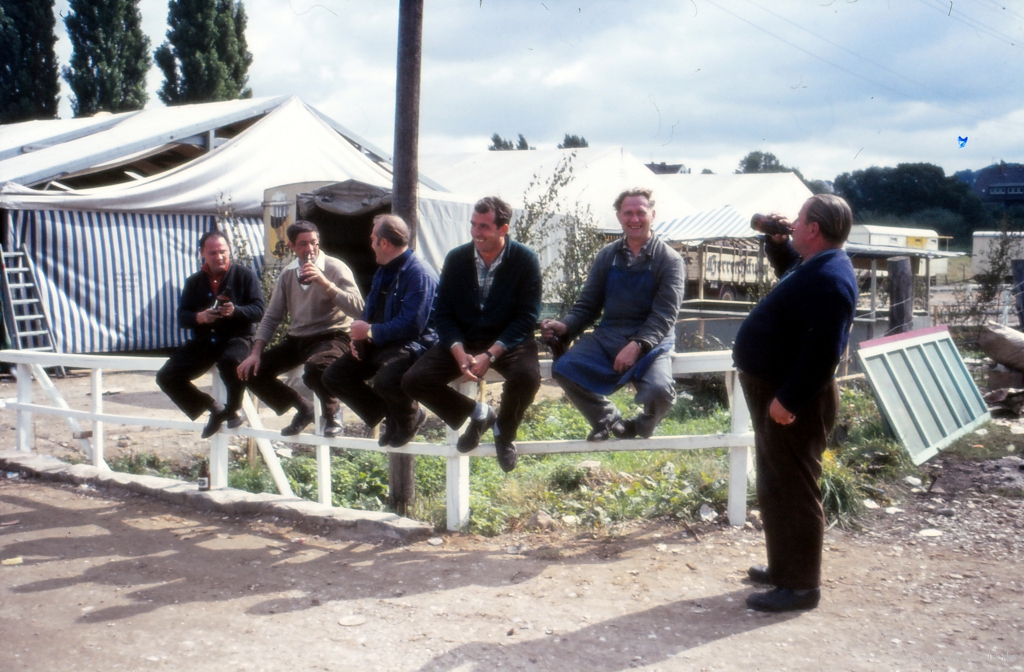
(401, 486)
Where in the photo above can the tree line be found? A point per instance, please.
(204, 57)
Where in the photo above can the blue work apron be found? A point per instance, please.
(628, 299)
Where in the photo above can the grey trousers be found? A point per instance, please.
(655, 392)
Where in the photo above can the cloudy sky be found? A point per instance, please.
(828, 86)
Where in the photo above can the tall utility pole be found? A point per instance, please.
(405, 163)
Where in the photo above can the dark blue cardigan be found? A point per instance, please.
(796, 335)
(511, 310)
(407, 310)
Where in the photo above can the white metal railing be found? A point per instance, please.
(31, 364)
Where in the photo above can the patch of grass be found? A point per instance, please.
(146, 464)
(997, 441)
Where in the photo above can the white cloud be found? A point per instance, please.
(827, 87)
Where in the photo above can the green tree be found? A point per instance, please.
(573, 142)
(707, 171)
(500, 144)
(29, 84)
(523, 144)
(912, 190)
(109, 57)
(205, 57)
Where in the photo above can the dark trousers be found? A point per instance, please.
(788, 470)
(193, 360)
(347, 379)
(427, 382)
(316, 353)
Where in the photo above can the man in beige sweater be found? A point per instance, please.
(320, 294)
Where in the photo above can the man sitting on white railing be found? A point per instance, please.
(220, 304)
(636, 286)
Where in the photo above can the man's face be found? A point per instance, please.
(216, 254)
(635, 214)
(486, 235)
(379, 247)
(306, 245)
(802, 232)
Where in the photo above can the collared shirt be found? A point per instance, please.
(485, 275)
(630, 257)
(215, 281)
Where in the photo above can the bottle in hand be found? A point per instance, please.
(204, 475)
(772, 225)
(303, 260)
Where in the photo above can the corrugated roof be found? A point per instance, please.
(723, 222)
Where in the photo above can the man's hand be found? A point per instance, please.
(465, 362)
(250, 364)
(227, 309)
(311, 274)
(627, 357)
(549, 328)
(207, 316)
(360, 330)
(780, 414)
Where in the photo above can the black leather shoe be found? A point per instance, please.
(234, 419)
(599, 433)
(624, 429)
(301, 420)
(784, 599)
(760, 574)
(387, 430)
(333, 429)
(217, 418)
(508, 456)
(401, 436)
(470, 438)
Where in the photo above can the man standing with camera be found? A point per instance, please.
(220, 304)
(320, 295)
(787, 351)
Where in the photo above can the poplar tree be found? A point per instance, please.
(109, 56)
(29, 85)
(205, 57)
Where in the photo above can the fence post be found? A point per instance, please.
(97, 425)
(901, 295)
(1017, 266)
(219, 441)
(26, 439)
(457, 476)
(738, 455)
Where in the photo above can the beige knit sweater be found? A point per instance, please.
(313, 309)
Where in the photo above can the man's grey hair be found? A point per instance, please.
(635, 191)
(833, 216)
(392, 228)
(502, 210)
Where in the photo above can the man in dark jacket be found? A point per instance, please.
(487, 306)
(635, 285)
(394, 330)
(787, 351)
(220, 304)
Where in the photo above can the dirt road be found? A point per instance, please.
(115, 581)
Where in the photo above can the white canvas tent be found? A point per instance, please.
(112, 258)
(727, 202)
(599, 175)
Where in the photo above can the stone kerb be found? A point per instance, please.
(341, 522)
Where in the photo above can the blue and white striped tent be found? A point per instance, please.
(112, 259)
(722, 222)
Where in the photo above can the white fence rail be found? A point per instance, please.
(31, 364)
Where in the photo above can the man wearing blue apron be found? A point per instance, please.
(638, 283)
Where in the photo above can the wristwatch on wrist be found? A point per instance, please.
(491, 356)
(645, 347)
